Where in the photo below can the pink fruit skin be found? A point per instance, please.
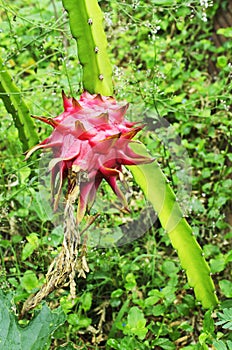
(90, 137)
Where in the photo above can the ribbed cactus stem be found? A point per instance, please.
(86, 18)
(16, 106)
(157, 190)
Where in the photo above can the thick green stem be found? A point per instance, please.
(15, 105)
(157, 190)
(85, 18)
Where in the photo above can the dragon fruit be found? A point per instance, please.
(90, 142)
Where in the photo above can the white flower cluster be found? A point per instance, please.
(204, 16)
(108, 19)
(205, 4)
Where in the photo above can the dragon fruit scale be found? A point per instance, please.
(90, 140)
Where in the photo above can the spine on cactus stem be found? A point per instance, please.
(86, 18)
(86, 27)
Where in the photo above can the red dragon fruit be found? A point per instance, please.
(90, 137)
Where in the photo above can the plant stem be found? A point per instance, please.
(85, 19)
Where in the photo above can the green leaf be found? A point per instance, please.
(136, 323)
(29, 281)
(15, 105)
(41, 204)
(226, 287)
(24, 173)
(85, 18)
(86, 301)
(203, 337)
(222, 61)
(33, 239)
(227, 32)
(169, 268)
(158, 310)
(220, 345)
(208, 323)
(130, 281)
(79, 321)
(136, 318)
(28, 249)
(55, 238)
(117, 293)
(36, 335)
(67, 304)
(5, 243)
(157, 190)
(225, 319)
(164, 344)
(113, 343)
(154, 296)
(228, 257)
(218, 264)
(33, 243)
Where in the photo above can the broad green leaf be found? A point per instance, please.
(150, 301)
(208, 323)
(55, 237)
(35, 336)
(41, 204)
(5, 243)
(28, 249)
(203, 337)
(85, 18)
(24, 173)
(33, 243)
(29, 281)
(164, 343)
(136, 323)
(15, 105)
(117, 293)
(130, 281)
(169, 268)
(217, 264)
(222, 61)
(33, 239)
(158, 310)
(157, 190)
(227, 32)
(226, 287)
(220, 345)
(86, 301)
(79, 321)
(154, 296)
(67, 304)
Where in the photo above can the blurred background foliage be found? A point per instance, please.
(172, 62)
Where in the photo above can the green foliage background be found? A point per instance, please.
(135, 296)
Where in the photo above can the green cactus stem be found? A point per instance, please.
(15, 105)
(157, 190)
(85, 18)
